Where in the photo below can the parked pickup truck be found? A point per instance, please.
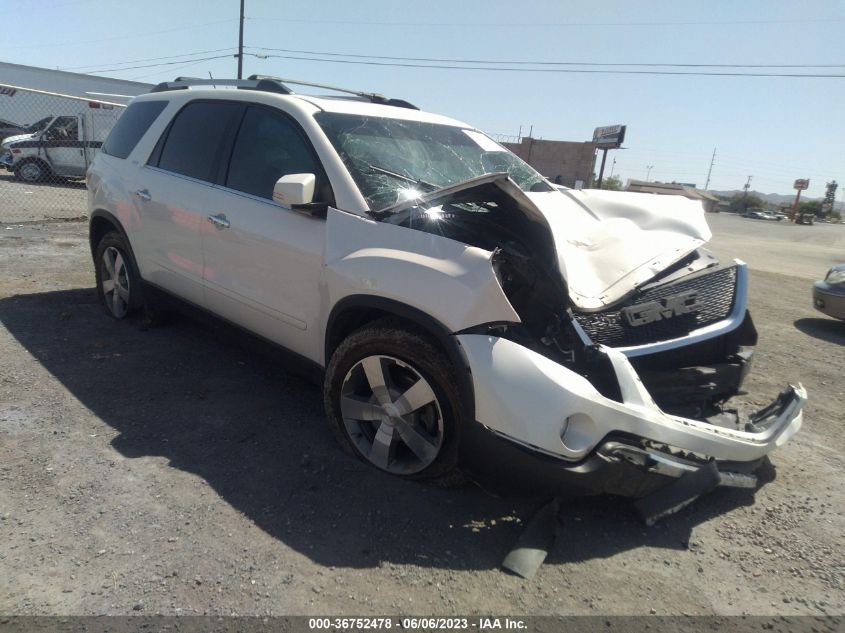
(63, 147)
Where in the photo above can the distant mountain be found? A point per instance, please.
(773, 198)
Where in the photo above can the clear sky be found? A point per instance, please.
(775, 129)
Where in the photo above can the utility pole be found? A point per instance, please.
(746, 187)
(709, 171)
(241, 44)
(612, 165)
(530, 143)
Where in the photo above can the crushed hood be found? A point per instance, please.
(611, 242)
(608, 242)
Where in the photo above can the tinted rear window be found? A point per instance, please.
(131, 126)
(197, 137)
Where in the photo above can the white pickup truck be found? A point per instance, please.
(63, 147)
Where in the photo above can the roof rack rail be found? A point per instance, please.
(278, 85)
(264, 84)
(372, 97)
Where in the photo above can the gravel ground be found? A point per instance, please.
(22, 202)
(175, 471)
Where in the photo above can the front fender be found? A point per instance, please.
(453, 283)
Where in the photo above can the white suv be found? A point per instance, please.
(466, 315)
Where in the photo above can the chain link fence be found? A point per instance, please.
(47, 141)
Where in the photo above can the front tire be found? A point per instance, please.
(32, 171)
(118, 282)
(392, 400)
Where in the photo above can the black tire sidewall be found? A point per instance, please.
(45, 172)
(114, 239)
(423, 356)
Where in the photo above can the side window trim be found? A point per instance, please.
(222, 171)
(155, 155)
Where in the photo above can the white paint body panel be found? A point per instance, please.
(169, 232)
(264, 271)
(533, 400)
(452, 282)
(610, 242)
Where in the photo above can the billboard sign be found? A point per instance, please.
(801, 184)
(609, 136)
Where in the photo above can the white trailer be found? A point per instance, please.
(64, 138)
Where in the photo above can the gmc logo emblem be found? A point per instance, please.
(644, 313)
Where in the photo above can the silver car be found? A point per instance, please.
(829, 293)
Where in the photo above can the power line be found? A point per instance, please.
(729, 159)
(217, 50)
(543, 24)
(153, 74)
(181, 61)
(152, 59)
(541, 63)
(553, 70)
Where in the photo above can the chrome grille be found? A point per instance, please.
(716, 293)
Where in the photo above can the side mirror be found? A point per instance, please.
(294, 189)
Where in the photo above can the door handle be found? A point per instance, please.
(219, 221)
(143, 194)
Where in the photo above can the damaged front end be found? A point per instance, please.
(629, 343)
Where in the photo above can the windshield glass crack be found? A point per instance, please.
(395, 160)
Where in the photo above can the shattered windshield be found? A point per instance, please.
(392, 160)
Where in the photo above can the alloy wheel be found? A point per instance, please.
(392, 415)
(115, 282)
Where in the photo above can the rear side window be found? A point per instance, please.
(268, 147)
(131, 126)
(197, 137)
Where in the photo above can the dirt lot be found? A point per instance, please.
(174, 471)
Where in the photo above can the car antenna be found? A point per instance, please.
(212, 79)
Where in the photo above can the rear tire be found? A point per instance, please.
(118, 282)
(392, 400)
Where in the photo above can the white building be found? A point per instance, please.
(22, 107)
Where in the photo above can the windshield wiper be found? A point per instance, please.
(409, 179)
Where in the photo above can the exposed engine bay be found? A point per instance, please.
(692, 379)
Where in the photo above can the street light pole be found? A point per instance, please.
(601, 171)
(648, 169)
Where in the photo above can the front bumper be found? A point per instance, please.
(829, 300)
(558, 417)
(6, 160)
